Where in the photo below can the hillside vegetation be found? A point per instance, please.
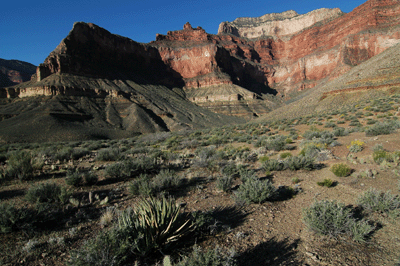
(320, 189)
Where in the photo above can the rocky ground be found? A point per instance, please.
(269, 233)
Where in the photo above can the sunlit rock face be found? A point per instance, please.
(249, 59)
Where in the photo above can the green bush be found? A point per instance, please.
(276, 143)
(381, 155)
(377, 201)
(9, 217)
(319, 137)
(224, 183)
(153, 224)
(78, 153)
(381, 128)
(47, 193)
(273, 165)
(141, 165)
(247, 174)
(141, 186)
(108, 154)
(229, 170)
(74, 178)
(116, 170)
(299, 162)
(285, 155)
(341, 170)
(90, 178)
(311, 149)
(107, 248)
(333, 219)
(211, 257)
(63, 154)
(326, 183)
(166, 180)
(256, 191)
(330, 124)
(21, 165)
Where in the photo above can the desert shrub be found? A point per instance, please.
(330, 124)
(377, 201)
(285, 155)
(204, 156)
(356, 146)
(289, 140)
(63, 154)
(247, 174)
(9, 217)
(78, 153)
(21, 165)
(256, 191)
(166, 180)
(153, 224)
(326, 183)
(107, 248)
(355, 123)
(273, 165)
(47, 193)
(224, 183)
(333, 219)
(276, 143)
(141, 186)
(299, 162)
(141, 165)
(319, 137)
(381, 128)
(211, 257)
(115, 170)
(311, 148)
(380, 156)
(312, 134)
(263, 159)
(108, 154)
(341, 169)
(229, 169)
(78, 178)
(90, 178)
(74, 178)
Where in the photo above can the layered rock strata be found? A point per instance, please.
(237, 68)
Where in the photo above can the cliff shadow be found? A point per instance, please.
(248, 75)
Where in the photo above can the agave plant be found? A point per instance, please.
(153, 224)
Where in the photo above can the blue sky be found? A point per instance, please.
(30, 30)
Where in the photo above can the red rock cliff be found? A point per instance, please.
(191, 58)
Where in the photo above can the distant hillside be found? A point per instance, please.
(13, 72)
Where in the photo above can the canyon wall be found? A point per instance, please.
(249, 59)
(277, 24)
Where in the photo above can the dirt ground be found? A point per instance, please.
(271, 233)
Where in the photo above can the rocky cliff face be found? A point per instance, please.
(277, 24)
(14, 72)
(233, 72)
(303, 57)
